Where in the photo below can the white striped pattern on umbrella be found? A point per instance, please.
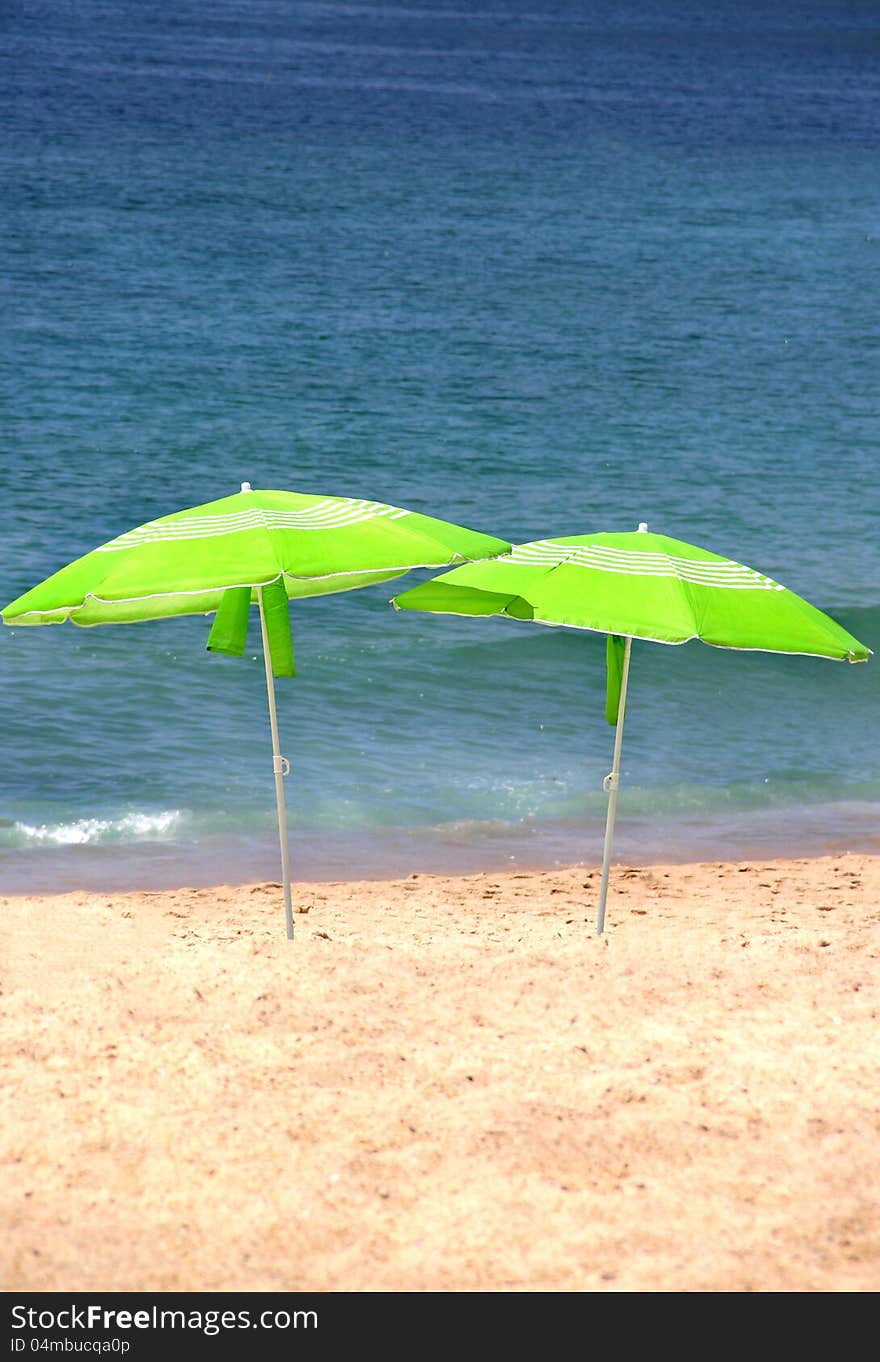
(600, 558)
(333, 514)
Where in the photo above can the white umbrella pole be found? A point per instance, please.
(610, 784)
(281, 767)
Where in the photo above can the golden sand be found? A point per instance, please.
(448, 1084)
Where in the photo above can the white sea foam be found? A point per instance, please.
(132, 827)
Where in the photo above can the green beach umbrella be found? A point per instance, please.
(257, 548)
(636, 586)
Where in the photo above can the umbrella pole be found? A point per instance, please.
(281, 767)
(610, 784)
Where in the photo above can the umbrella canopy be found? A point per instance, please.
(253, 548)
(182, 564)
(636, 585)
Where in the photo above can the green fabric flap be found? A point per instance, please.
(614, 654)
(277, 612)
(229, 630)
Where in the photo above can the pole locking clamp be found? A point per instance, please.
(611, 782)
(281, 766)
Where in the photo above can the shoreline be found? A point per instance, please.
(459, 847)
(448, 1083)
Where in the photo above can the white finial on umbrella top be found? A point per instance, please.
(246, 487)
(643, 527)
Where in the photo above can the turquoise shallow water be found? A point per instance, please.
(539, 272)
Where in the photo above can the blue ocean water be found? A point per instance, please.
(537, 269)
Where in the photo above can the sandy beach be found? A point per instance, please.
(448, 1084)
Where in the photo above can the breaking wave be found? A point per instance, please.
(131, 827)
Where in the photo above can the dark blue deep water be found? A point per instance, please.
(536, 268)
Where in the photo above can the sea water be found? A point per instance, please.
(535, 269)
